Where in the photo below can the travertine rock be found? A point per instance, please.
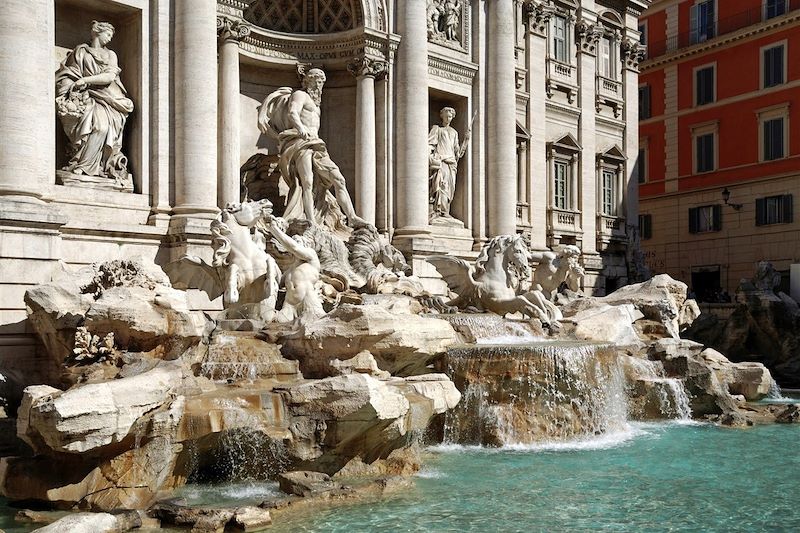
(607, 323)
(438, 388)
(94, 523)
(751, 380)
(361, 363)
(94, 415)
(305, 483)
(401, 343)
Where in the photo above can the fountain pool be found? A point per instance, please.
(651, 477)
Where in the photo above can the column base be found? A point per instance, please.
(188, 235)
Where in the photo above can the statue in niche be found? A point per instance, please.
(293, 118)
(497, 282)
(241, 271)
(445, 151)
(93, 106)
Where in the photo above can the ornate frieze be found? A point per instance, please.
(587, 35)
(361, 66)
(448, 23)
(229, 29)
(452, 71)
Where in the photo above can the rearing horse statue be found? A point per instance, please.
(495, 283)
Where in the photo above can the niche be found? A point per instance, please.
(459, 207)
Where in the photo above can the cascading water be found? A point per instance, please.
(492, 329)
(649, 380)
(521, 394)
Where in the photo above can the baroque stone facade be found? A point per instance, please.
(548, 89)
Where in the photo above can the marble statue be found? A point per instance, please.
(443, 19)
(381, 265)
(445, 151)
(497, 281)
(766, 277)
(241, 271)
(452, 16)
(301, 278)
(293, 118)
(557, 268)
(93, 105)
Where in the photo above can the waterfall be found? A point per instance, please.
(523, 394)
(648, 381)
(492, 329)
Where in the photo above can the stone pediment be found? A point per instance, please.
(568, 143)
(613, 154)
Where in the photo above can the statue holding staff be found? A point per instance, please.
(445, 151)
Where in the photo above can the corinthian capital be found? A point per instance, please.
(632, 52)
(364, 66)
(229, 29)
(537, 14)
(587, 35)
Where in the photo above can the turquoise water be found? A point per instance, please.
(654, 478)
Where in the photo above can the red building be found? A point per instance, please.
(719, 158)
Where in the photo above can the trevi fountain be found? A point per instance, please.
(341, 375)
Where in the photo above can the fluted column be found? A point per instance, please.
(195, 80)
(412, 117)
(366, 70)
(228, 181)
(632, 52)
(27, 93)
(501, 119)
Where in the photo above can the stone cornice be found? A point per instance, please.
(722, 40)
(451, 70)
(326, 49)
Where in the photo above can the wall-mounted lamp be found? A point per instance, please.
(726, 195)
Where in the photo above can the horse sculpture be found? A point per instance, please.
(559, 268)
(241, 271)
(496, 282)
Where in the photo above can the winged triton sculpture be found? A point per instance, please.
(557, 268)
(241, 271)
(497, 281)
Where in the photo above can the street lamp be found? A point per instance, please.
(726, 195)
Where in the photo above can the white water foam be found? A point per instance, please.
(430, 473)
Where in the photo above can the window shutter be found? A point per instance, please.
(647, 226)
(693, 34)
(693, 222)
(761, 211)
(787, 208)
(716, 212)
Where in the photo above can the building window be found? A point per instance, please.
(606, 59)
(704, 153)
(774, 8)
(704, 85)
(643, 33)
(641, 165)
(773, 139)
(609, 187)
(644, 102)
(705, 218)
(561, 179)
(559, 39)
(773, 65)
(774, 210)
(703, 23)
(646, 227)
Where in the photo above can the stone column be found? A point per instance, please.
(587, 36)
(539, 15)
(195, 117)
(632, 52)
(366, 70)
(501, 119)
(412, 118)
(27, 98)
(228, 184)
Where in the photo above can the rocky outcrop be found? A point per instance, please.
(401, 342)
(361, 363)
(661, 300)
(213, 519)
(94, 523)
(764, 327)
(131, 299)
(607, 323)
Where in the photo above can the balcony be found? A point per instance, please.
(562, 222)
(609, 92)
(562, 77)
(723, 26)
(610, 229)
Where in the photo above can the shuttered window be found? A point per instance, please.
(704, 85)
(774, 210)
(559, 39)
(609, 193)
(773, 139)
(705, 218)
(644, 101)
(560, 184)
(703, 22)
(646, 226)
(774, 8)
(772, 62)
(704, 153)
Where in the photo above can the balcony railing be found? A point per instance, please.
(723, 26)
(562, 76)
(562, 221)
(610, 227)
(608, 88)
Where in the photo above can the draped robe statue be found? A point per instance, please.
(445, 151)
